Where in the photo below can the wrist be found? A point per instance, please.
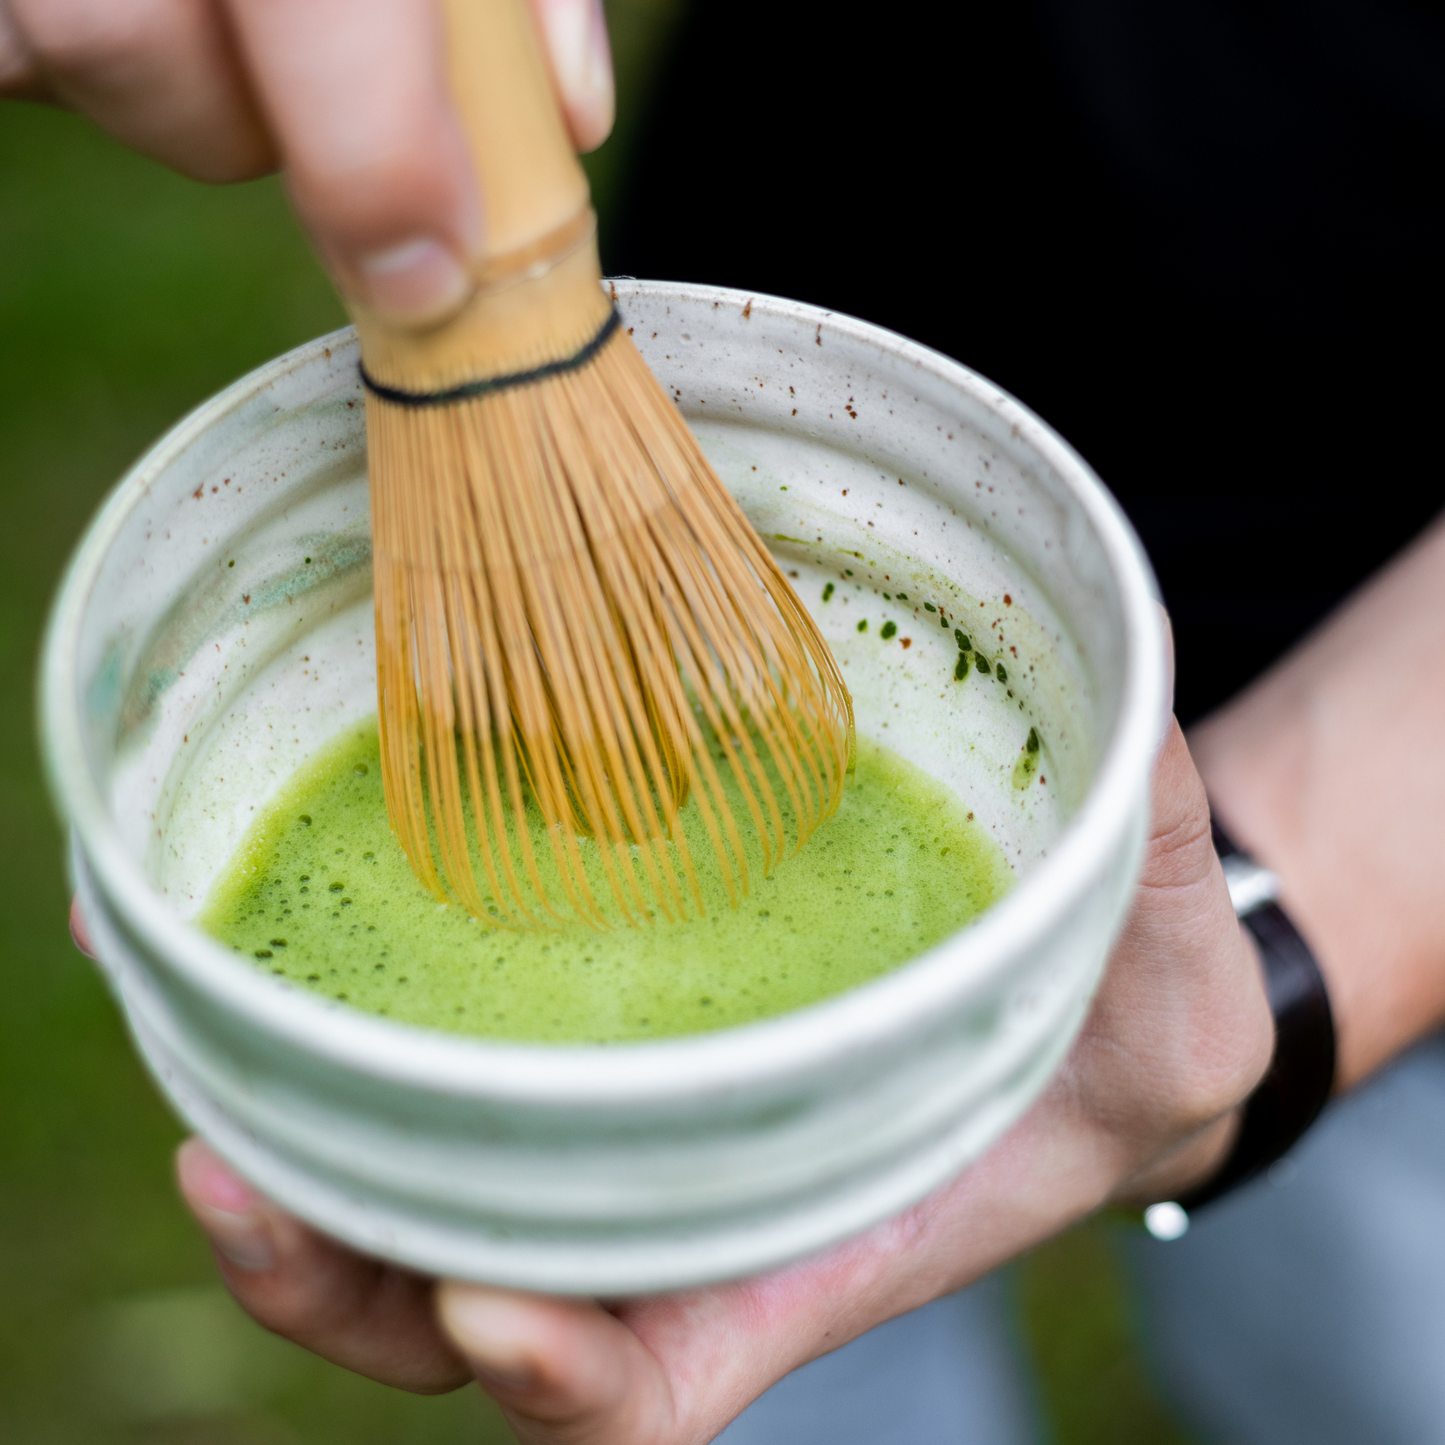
(1184, 1169)
(1322, 771)
(1262, 761)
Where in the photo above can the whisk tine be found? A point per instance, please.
(515, 668)
(728, 545)
(557, 588)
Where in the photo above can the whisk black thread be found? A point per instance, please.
(470, 390)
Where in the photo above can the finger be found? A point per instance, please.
(356, 94)
(79, 933)
(163, 76)
(367, 1316)
(574, 35)
(562, 1370)
(20, 78)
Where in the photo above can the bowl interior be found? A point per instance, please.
(225, 632)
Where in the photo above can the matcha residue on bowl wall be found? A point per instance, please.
(321, 894)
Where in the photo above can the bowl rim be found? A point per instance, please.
(596, 1076)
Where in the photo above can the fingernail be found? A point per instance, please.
(79, 934)
(244, 1239)
(416, 283)
(1167, 722)
(598, 83)
(582, 63)
(491, 1330)
(228, 1209)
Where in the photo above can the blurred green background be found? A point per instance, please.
(127, 296)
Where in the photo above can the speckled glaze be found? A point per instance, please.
(214, 630)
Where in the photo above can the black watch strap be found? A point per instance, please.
(1301, 1074)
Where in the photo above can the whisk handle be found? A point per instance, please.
(531, 182)
(537, 300)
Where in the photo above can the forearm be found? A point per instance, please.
(1329, 772)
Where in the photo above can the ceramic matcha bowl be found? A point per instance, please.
(214, 631)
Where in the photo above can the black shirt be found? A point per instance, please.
(1203, 239)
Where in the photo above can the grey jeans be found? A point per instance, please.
(946, 1373)
(1308, 1309)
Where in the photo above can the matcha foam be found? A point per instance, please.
(320, 893)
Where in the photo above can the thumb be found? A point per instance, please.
(574, 35)
(1180, 1031)
(562, 1370)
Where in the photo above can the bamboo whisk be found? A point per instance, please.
(571, 610)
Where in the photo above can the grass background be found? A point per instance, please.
(127, 295)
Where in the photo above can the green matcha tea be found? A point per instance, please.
(321, 894)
